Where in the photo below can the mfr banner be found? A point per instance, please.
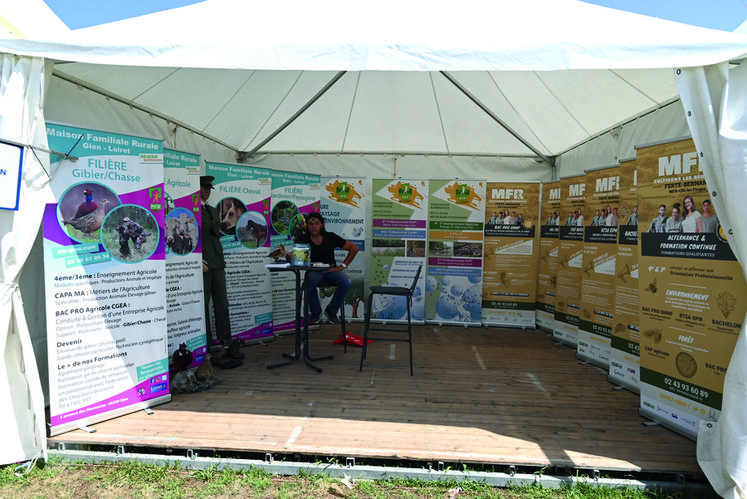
(547, 262)
(185, 305)
(344, 205)
(242, 198)
(625, 362)
(598, 268)
(510, 261)
(570, 259)
(456, 216)
(293, 195)
(104, 277)
(398, 240)
(692, 291)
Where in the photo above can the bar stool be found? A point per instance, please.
(327, 287)
(395, 291)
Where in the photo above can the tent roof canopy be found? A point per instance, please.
(529, 78)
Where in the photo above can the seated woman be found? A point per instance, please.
(322, 245)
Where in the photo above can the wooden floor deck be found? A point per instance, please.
(481, 396)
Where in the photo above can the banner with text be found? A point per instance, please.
(625, 359)
(456, 216)
(510, 262)
(598, 268)
(399, 210)
(344, 205)
(184, 296)
(692, 291)
(242, 198)
(104, 277)
(547, 262)
(570, 260)
(293, 195)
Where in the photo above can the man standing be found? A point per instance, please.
(213, 267)
(322, 245)
(659, 224)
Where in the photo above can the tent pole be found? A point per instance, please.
(550, 161)
(243, 155)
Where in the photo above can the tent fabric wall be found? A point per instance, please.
(22, 121)
(546, 47)
(715, 102)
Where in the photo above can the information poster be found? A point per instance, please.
(570, 260)
(293, 195)
(104, 277)
(456, 216)
(398, 239)
(547, 263)
(510, 261)
(692, 291)
(242, 198)
(344, 205)
(598, 268)
(184, 296)
(625, 359)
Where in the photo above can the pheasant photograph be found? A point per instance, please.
(84, 208)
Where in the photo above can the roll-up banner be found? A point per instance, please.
(104, 277)
(184, 296)
(625, 359)
(510, 261)
(456, 216)
(598, 268)
(344, 205)
(692, 291)
(570, 260)
(399, 209)
(547, 262)
(242, 198)
(293, 195)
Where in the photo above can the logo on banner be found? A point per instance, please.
(463, 194)
(406, 193)
(343, 192)
(156, 197)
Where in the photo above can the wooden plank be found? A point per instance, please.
(480, 396)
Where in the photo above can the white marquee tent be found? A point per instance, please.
(500, 90)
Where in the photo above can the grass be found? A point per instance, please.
(64, 479)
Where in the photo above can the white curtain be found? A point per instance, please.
(715, 101)
(22, 428)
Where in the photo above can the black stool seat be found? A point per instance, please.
(395, 291)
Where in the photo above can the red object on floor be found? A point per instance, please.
(351, 340)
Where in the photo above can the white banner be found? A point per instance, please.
(104, 276)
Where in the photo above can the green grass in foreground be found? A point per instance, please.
(80, 480)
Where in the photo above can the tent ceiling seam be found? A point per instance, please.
(560, 102)
(353, 100)
(440, 114)
(157, 83)
(141, 108)
(628, 121)
(274, 110)
(243, 155)
(227, 101)
(548, 160)
(644, 94)
(518, 114)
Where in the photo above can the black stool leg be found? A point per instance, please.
(342, 323)
(367, 323)
(409, 333)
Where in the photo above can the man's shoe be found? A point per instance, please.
(331, 317)
(315, 318)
